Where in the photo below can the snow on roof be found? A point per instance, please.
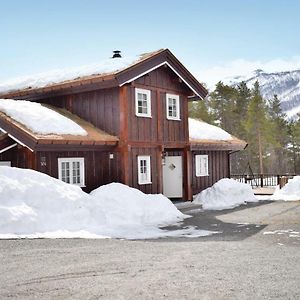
(39, 119)
(200, 130)
(105, 67)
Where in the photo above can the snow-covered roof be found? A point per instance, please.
(112, 72)
(105, 67)
(38, 118)
(34, 125)
(207, 136)
(200, 130)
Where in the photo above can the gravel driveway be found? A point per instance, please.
(262, 262)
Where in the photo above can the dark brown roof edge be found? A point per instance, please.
(95, 82)
(21, 136)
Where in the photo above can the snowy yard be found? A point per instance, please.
(34, 205)
(258, 263)
(195, 251)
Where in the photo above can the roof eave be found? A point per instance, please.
(164, 57)
(218, 145)
(94, 82)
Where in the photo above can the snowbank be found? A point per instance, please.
(34, 205)
(200, 130)
(290, 192)
(124, 205)
(225, 194)
(38, 118)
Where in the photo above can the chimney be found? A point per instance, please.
(117, 54)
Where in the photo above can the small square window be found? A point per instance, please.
(173, 107)
(143, 103)
(71, 170)
(144, 170)
(201, 165)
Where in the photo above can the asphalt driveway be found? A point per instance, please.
(261, 262)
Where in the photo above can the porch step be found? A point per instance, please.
(264, 190)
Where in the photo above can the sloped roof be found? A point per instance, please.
(36, 141)
(204, 136)
(109, 73)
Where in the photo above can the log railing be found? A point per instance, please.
(263, 180)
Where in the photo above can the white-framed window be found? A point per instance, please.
(71, 170)
(5, 163)
(173, 107)
(143, 103)
(201, 165)
(144, 169)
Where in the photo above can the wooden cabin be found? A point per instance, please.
(136, 119)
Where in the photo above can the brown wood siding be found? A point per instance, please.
(163, 78)
(154, 153)
(218, 167)
(158, 128)
(142, 128)
(99, 169)
(20, 157)
(101, 107)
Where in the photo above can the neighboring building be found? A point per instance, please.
(134, 114)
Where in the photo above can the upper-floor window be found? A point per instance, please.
(71, 170)
(173, 107)
(201, 165)
(142, 103)
(144, 169)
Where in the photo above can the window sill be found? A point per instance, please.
(143, 116)
(143, 183)
(202, 175)
(173, 119)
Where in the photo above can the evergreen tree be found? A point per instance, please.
(293, 148)
(257, 127)
(242, 103)
(279, 160)
(223, 104)
(200, 110)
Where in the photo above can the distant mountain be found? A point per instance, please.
(286, 85)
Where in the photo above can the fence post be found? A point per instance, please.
(261, 180)
(278, 179)
(245, 177)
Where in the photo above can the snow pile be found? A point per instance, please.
(224, 194)
(57, 76)
(39, 119)
(35, 205)
(290, 192)
(124, 205)
(200, 130)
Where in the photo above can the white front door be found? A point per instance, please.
(172, 177)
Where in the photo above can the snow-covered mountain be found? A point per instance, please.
(286, 85)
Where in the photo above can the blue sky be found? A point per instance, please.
(213, 38)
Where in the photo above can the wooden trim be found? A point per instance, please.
(8, 148)
(159, 170)
(61, 89)
(159, 116)
(158, 89)
(123, 144)
(185, 118)
(216, 147)
(158, 59)
(187, 176)
(152, 144)
(95, 82)
(69, 147)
